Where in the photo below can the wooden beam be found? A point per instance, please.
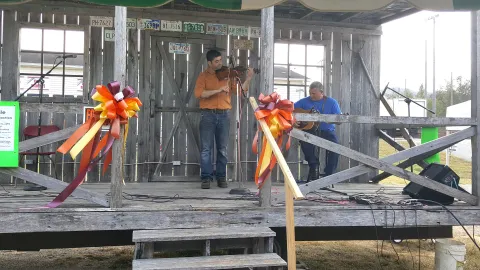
(362, 169)
(54, 184)
(475, 101)
(52, 107)
(266, 80)
(410, 162)
(347, 16)
(388, 121)
(182, 15)
(382, 165)
(98, 219)
(290, 228)
(10, 56)
(384, 136)
(369, 77)
(120, 75)
(47, 139)
(394, 16)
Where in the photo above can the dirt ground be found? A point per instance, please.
(315, 255)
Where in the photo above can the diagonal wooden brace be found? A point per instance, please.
(54, 184)
(384, 166)
(427, 148)
(47, 139)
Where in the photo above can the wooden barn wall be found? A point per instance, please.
(165, 84)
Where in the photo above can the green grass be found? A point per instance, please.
(459, 166)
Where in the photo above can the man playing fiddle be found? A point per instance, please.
(324, 105)
(215, 105)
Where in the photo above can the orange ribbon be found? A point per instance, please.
(278, 116)
(116, 107)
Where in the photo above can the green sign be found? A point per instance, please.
(9, 125)
(192, 27)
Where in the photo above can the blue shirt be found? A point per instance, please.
(331, 107)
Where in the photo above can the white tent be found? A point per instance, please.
(460, 110)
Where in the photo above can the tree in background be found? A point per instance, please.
(457, 91)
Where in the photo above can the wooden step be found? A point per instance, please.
(211, 262)
(143, 236)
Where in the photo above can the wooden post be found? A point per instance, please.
(475, 101)
(10, 70)
(290, 227)
(120, 76)
(266, 81)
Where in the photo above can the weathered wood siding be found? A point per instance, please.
(147, 72)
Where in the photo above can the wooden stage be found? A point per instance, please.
(184, 205)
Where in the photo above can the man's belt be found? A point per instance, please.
(216, 111)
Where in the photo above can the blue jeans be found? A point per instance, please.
(214, 127)
(311, 151)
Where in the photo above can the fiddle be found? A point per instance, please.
(226, 72)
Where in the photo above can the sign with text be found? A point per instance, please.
(179, 48)
(147, 24)
(109, 35)
(254, 32)
(192, 27)
(171, 26)
(9, 133)
(238, 30)
(131, 23)
(97, 21)
(89, 112)
(217, 29)
(242, 44)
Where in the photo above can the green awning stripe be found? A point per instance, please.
(466, 5)
(220, 4)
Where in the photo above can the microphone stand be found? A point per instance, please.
(41, 80)
(241, 190)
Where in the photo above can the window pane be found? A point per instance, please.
(53, 40)
(296, 93)
(280, 74)
(315, 55)
(26, 81)
(49, 60)
(297, 54)
(281, 53)
(74, 66)
(74, 41)
(297, 75)
(31, 39)
(314, 74)
(282, 90)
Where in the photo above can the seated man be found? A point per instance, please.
(324, 105)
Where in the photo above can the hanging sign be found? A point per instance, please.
(109, 35)
(242, 44)
(131, 23)
(147, 24)
(254, 32)
(238, 30)
(97, 21)
(9, 133)
(192, 27)
(179, 48)
(217, 29)
(171, 26)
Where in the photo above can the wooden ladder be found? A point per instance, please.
(261, 248)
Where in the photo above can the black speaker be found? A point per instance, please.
(439, 173)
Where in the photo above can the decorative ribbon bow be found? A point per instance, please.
(278, 116)
(115, 108)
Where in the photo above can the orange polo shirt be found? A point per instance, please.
(207, 80)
